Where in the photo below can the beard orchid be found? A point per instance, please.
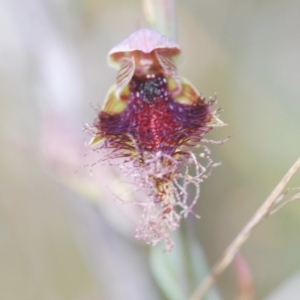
(152, 119)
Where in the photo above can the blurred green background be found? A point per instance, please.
(57, 244)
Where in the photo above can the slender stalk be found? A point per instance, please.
(162, 16)
(264, 210)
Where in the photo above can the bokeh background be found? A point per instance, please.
(62, 236)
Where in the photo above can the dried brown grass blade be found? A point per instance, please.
(264, 211)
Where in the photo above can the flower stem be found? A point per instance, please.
(162, 16)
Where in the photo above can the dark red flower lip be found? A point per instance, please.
(152, 118)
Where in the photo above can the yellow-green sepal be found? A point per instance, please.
(95, 140)
(115, 101)
(187, 94)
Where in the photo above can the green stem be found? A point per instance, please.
(161, 15)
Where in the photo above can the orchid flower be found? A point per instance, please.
(152, 118)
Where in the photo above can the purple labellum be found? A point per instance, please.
(153, 118)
